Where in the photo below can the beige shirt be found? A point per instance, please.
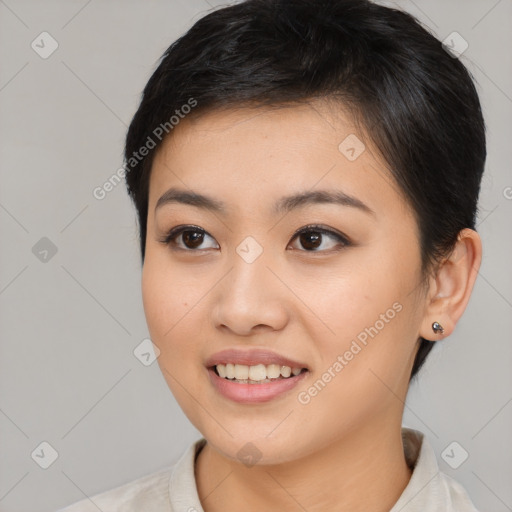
(173, 489)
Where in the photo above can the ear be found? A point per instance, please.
(451, 287)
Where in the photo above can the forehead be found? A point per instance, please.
(253, 156)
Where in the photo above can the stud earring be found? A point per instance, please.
(437, 327)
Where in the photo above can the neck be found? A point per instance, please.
(336, 478)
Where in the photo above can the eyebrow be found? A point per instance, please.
(283, 205)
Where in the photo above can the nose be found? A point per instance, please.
(250, 299)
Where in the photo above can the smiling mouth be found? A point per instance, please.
(257, 374)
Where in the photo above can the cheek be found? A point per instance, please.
(372, 318)
(173, 309)
(168, 290)
(169, 299)
(351, 298)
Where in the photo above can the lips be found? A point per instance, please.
(252, 357)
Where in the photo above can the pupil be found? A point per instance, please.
(312, 237)
(192, 238)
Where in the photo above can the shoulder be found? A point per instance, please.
(457, 496)
(164, 490)
(429, 489)
(148, 491)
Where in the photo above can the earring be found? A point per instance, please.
(437, 327)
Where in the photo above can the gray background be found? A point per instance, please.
(70, 324)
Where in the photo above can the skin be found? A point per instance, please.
(304, 304)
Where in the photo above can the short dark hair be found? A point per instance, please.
(417, 102)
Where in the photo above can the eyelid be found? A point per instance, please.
(322, 229)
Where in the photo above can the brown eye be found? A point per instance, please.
(191, 238)
(311, 238)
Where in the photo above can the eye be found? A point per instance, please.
(191, 237)
(312, 237)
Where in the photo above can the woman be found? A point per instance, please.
(306, 175)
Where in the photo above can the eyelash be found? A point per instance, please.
(312, 228)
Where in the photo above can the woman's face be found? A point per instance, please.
(341, 299)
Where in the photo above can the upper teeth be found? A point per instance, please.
(257, 372)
